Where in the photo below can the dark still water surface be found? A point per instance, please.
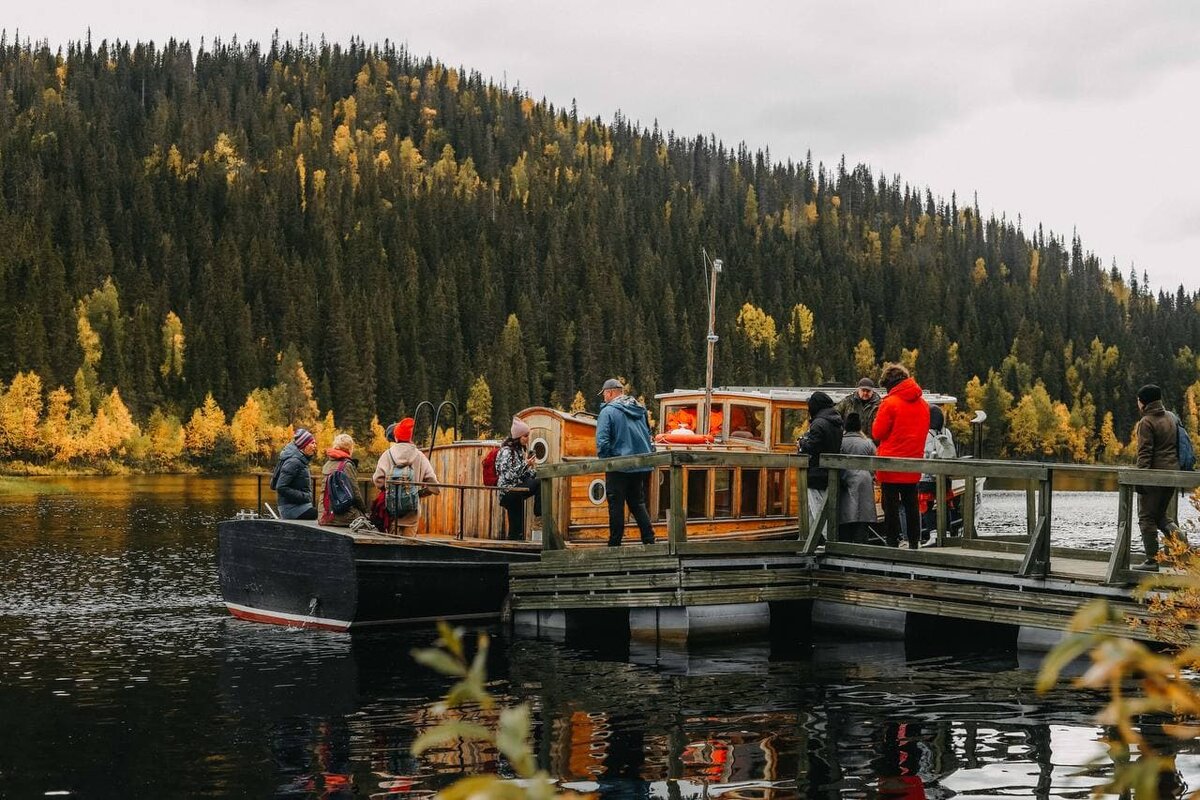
(123, 676)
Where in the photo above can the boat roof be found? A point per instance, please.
(791, 394)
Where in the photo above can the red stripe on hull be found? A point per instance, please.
(272, 619)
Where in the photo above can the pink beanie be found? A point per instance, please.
(519, 428)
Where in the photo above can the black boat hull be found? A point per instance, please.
(303, 575)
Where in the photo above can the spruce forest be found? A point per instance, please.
(202, 246)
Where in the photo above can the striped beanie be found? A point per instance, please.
(302, 438)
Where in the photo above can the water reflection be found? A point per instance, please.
(123, 676)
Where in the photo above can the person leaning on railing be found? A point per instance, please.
(1157, 449)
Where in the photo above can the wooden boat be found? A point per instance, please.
(452, 565)
(720, 502)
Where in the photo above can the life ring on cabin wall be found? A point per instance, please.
(683, 436)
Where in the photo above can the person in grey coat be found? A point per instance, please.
(292, 480)
(856, 503)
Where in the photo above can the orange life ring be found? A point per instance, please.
(683, 436)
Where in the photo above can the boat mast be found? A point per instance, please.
(712, 341)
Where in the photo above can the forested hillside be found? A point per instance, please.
(177, 221)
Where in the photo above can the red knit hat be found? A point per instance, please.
(404, 429)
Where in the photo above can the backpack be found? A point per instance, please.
(339, 491)
(490, 478)
(1183, 444)
(403, 497)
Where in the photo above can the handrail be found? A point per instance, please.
(1037, 476)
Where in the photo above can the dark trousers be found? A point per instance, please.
(893, 496)
(514, 504)
(627, 489)
(1153, 502)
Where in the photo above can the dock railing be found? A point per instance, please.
(675, 461)
(1035, 543)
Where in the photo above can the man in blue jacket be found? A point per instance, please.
(623, 429)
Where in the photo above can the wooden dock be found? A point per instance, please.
(1019, 584)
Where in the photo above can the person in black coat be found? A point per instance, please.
(824, 435)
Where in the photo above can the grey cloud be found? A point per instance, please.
(1106, 51)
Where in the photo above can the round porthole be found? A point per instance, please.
(540, 450)
(596, 491)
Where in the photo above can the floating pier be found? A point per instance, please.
(1017, 586)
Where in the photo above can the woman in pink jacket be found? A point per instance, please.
(900, 428)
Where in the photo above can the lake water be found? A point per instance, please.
(122, 676)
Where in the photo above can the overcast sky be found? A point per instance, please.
(1078, 115)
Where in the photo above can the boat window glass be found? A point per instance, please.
(596, 491)
(662, 478)
(751, 482)
(793, 422)
(697, 493)
(776, 492)
(679, 416)
(746, 422)
(685, 415)
(722, 493)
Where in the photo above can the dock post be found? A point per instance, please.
(677, 525)
(1037, 556)
(943, 510)
(1118, 562)
(968, 531)
(551, 535)
(832, 499)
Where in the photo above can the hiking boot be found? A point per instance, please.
(1149, 565)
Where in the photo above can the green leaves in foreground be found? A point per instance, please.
(510, 735)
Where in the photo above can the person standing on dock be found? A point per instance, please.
(515, 470)
(864, 402)
(856, 506)
(292, 481)
(824, 435)
(900, 427)
(1156, 441)
(623, 429)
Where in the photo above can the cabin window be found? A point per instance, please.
(697, 493)
(749, 505)
(540, 450)
(679, 416)
(686, 416)
(793, 422)
(722, 493)
(662, 482)
(776, 492)
(596, 491)
(746, 422)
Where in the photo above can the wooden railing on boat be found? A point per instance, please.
(1035, 543)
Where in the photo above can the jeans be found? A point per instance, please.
(893, 496)
(514, 504)
(627, 489)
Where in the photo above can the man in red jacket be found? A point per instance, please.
(900, 428)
